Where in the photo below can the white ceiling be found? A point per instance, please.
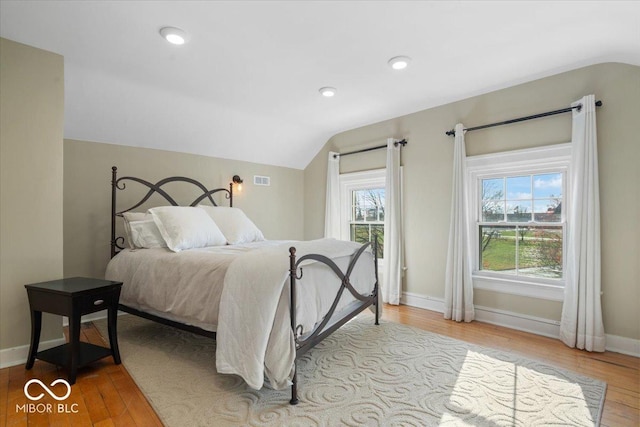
(246, 85)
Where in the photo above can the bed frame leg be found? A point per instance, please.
(294, 386)
(375, 269)
(292, 309)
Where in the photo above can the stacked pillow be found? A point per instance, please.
(186, 227)
(180, 228)
(235, 225)
(142, 231)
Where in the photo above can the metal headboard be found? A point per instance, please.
(120, 184)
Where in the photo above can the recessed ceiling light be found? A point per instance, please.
(328, 91)
(399, 62)
(174, 35)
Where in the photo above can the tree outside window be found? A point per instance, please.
(367, 217)
(521, 227)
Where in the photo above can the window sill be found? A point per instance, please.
(518, 286)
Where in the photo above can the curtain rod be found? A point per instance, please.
(402, 142)
(521, 119)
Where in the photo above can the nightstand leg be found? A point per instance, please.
(74, 346)
(113, 333)
(36, 327)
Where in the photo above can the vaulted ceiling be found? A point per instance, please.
(245, 86)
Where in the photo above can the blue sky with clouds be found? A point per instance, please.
(525, 193)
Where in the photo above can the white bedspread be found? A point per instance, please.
(254, 333)
(184, 286)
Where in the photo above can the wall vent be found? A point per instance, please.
(261, 180)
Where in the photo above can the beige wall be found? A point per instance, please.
(427, 179)
(31, 162)
(277, 210)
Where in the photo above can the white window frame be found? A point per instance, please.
(357, 181)
(553, 158)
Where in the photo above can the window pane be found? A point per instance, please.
(358, 206)
(368, 205)
(519, 187)
(540, 252)
(378, 230)
(363, 233)
(498, 249)
(518, 211)
(358, 213)
(547, 210)
(376, 197)
(547, 186)
(360, 233)
(493, 189)
(492, 211)
(493, 200)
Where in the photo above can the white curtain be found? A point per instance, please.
(393, 242)
(458, 293)
(581, 323)
(332, 204)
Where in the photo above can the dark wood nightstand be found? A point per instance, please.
(73, 297)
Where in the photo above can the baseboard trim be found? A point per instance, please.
(422, 301)
(18, 355)
(623, 345)
(521, 322)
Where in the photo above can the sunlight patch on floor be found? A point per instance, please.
(494, 392)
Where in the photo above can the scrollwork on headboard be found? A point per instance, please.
(117, 243)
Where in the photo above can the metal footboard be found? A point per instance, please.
(320, 333)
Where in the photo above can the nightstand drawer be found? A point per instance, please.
(98, 301)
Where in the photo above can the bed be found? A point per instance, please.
(205, 268)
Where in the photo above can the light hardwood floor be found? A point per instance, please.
(107, 396)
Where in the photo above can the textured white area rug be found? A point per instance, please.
(363, 375)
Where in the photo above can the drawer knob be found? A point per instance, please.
(98, 302)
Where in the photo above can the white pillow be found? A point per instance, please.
(142, 231)
(234, 224)
(186, 227)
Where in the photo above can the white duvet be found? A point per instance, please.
(184, 286)
(242, 292)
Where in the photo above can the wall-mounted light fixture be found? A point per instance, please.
(238, 181)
